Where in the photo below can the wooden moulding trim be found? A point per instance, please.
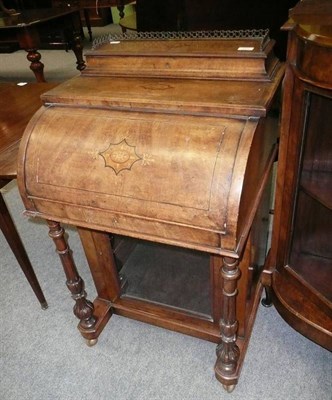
(189, 245)
(222, 110)
(68, 95)
(208, 75)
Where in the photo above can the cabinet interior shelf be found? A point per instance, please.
(318, 186)
(304, 264)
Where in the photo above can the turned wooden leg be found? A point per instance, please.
(10, 233)
(120, 7)
(227, 351)
(88, 22)
(267, 300)
(83, 308)
(77, 48)
(36, 66)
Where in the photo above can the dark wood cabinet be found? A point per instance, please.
(96, 16)
(301, 254)
(94, 13)
(189, 15)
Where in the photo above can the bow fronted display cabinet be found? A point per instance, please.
(300, 262)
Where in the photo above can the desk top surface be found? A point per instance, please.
(17, 105)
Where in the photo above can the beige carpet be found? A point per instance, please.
(59, 65)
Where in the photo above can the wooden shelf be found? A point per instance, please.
(316, 271)
(318, 185)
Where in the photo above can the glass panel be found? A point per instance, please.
(311, 250)
(168, 275)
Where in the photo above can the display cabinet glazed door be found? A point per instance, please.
(301, 253)
(310, 254)
(302, 280)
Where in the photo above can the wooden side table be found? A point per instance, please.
(19, 105)
(30, 28)
(89, 7)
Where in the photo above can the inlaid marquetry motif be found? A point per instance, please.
(147, 159)
(120, 156)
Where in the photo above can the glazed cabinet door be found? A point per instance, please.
(310, 253)
(303, 221)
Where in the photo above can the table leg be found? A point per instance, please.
(10, 233)
(29, 40)
(77, 48)
(120, 7)
(36, 66)
(74, 40)
(87, 22)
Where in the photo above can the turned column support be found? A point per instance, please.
(83, 308)
(228, 352)
(77, 47)
(120, 7)
(36, 66)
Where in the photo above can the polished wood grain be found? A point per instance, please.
(180, 157)
(17, 105)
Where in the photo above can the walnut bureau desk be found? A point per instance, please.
(159, 154)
